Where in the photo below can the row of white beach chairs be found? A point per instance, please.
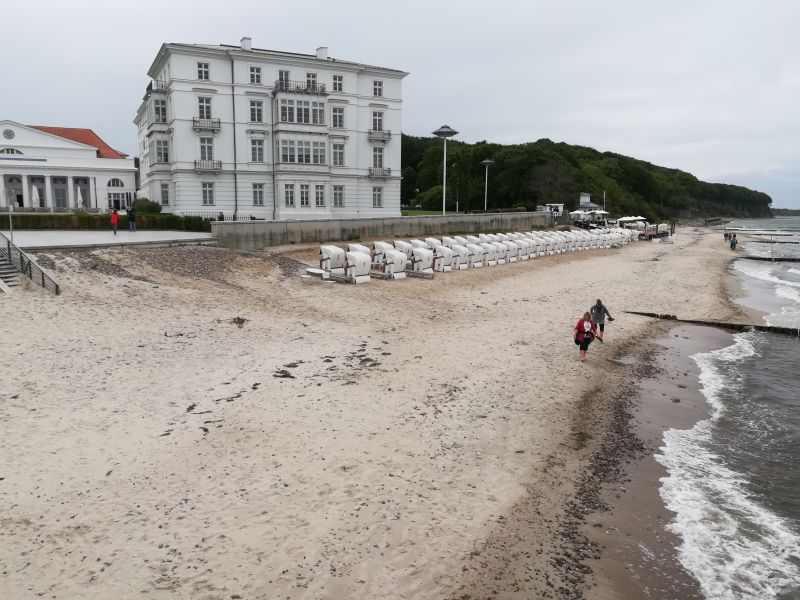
(421, 258)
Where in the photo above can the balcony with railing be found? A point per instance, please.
(157, 86)
(379, 135)
(300, 87)
(208, 165)
(380, 172)
(206, 124)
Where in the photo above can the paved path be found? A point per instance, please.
(60, 239)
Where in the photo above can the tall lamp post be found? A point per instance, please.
(486, 163)
(444, 132)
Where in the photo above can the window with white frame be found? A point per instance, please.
(258, 194)
(255, 75)
(377, 157)
(287, 110)
(115, 182)
(318, 153)
(204, 107)
(311, 81)
(203, 71)
(206, 148)
(377, 120)
(283, 80)
(208, 194)
(165, 194)
(304, 195)
(160, 110)
(337, 117)
(338, 196)
(304, 152)
(303, 112)
(338, 155)
(257, 150)
(377, 88)
(377, 197)
(319, 195)
(318, 113)
(256, 111)
(288, 194)
(162, 151)
(288, 151)
(338, 83)
(60, 195)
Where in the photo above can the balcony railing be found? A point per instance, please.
(212, 124)
(157, 86)
(379, 135)
(208, 165)
(300, 87)
(380, 172)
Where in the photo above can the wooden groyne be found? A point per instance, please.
(721, 324)
(770, 259)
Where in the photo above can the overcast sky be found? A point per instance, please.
(711, 87)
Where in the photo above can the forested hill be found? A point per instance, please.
(547, 172)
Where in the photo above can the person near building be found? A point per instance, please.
(583, 334)
(131, 219)
(599, 313)
(114, 221)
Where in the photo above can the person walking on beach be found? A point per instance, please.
(734, 242)
(599, 313)
(584, 333)
(131, 219)
(114, 221)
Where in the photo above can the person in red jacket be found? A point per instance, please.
(114, 220)
(584, 333)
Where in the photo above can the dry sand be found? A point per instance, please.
(400, 439)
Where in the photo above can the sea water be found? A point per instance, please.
(733, 480)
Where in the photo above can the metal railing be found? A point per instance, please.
(199, 123)
(379, 172)
(23, 263)
(301, 87)
(219, 215)
(208, 165)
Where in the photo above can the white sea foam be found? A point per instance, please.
(763, 271)
(735, 548)
(795, 271)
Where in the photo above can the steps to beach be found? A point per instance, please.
(8, 273)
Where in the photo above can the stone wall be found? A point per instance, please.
(255, 235)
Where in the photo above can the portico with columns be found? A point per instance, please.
(62, 170)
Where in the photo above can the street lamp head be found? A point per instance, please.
(487, 162)
(445, 131)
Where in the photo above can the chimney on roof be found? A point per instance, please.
(247, 43)
(322, 53)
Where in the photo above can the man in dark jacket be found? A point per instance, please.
(131, 219)
(599, 313)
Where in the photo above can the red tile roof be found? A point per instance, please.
(84, 136)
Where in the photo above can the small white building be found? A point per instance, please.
(62, 169)
(278, 135)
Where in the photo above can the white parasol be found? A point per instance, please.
(36, 200)
(79, 199)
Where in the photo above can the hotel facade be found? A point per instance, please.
(61, 169)
(266, 134)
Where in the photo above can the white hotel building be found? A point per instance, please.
(276, 135)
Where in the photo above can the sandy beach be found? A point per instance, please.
(200, 423)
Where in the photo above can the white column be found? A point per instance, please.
(48, 192)
(93, 193)
(70, 193)
(26, 192)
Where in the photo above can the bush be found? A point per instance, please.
(83, 220)
(145, 206)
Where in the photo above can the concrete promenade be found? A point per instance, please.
(52, 239)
